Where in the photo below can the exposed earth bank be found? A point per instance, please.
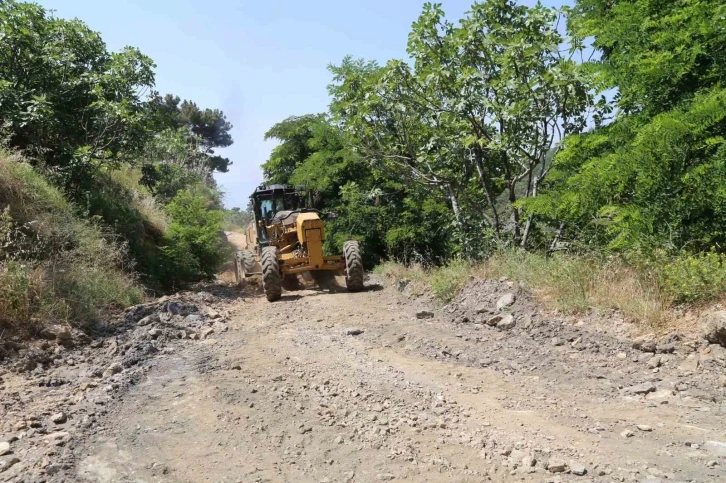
(325, 386)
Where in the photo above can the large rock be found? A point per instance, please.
(506, 323)
(506, 300)
(645, 343)
(713, 328)
(556, 465)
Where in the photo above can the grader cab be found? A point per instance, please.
(285, 239)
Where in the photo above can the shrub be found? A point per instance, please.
(692, 278)
(195, 248)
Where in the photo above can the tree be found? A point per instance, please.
(199, 131)
(655, 177)
(477, 113)
(64, 99)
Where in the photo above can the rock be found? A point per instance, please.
(645, 427)
(424, 314)
(354, 331)
(207, 332)
(627, 434)
(494, 320)
(385, 477)
(59, 418)
(506, 323)
(4, 448)
(180, 308)
(645, 343)
(577, 468)
(58, 438)
(5, 464)
(722, 381)
(717, 448)
(556, 465)
(114, 368)
(665, 348)
(194, 319)
(149, 319)
(654, 362)
(213, 314)
(236, 367)
(689, 364)
(644, 388)
(713, 328)
(712, 463)
(339, 440)
(154, 333)
(506, 300)
(621, 355)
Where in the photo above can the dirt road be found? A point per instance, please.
(328, 386)
(356, 387)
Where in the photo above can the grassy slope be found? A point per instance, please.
(566, 283)
(54, 266)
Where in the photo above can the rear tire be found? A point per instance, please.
(353, 266)
(248, 262)
(271, 278)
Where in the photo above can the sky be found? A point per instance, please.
(258, 61)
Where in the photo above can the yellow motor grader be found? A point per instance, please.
(285, 239)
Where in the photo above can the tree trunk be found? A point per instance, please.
(457, 218)
(487, 191)
(515, 211)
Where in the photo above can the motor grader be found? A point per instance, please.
(285, 239)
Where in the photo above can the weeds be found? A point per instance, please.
(54, 267)
(570, 284)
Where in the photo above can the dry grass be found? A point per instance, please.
(143, 201)
(569, 284)
(54, 266)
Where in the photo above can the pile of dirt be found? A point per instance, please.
(56, 389)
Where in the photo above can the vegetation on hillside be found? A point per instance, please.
(106, 186)
(596, 131)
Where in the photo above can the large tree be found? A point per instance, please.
(655, 177)
(64, 99)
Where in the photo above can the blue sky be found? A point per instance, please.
(258, 61)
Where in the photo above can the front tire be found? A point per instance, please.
(353, 266)
(271, 278)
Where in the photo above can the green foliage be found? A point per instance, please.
(656, 177)
(85, 117)
(54, 266)
(690, 278)
(448, 280)
(64, 99)
(195, 248)
(476, 114)
(236, 219)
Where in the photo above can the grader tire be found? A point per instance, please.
(239, 273)
(248, 262)
(353, 266)
(271, 278)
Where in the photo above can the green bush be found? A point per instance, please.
(691, 278)
(195, 248)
